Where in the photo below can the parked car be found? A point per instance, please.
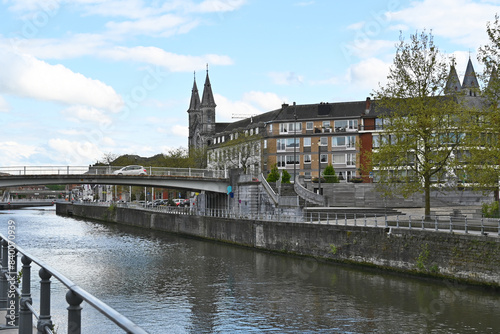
(131, 170)
(185, 203)
(178, 201)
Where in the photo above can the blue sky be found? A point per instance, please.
(83, 78)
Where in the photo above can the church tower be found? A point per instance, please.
(453, 85)
(470, 85)
(201, 116)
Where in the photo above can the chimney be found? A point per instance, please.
(284, 106)
(368, 103)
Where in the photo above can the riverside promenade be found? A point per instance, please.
(446, 247)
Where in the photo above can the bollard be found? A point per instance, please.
(44, 319)
(25, 316)
(74, 312)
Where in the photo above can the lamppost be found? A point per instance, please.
(319, 166)
(294, 141)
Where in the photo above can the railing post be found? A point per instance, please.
(12, 315)
(3, 281)
(327, 219)
(499, 227)
(465, 228)
(423, 222)
(397, 221)
(385, 218)
(376, 220)
(45, 319)
(482, 226)
(345, 218)
(451, 225)
(354, 219)
(337, 219)
(436, 222)
(409, 222)
(25, 316)
(74, 312)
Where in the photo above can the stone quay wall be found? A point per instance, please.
(472, 259)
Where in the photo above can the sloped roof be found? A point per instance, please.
(207, 99)
(195, 98)
(453, 84)
(470, 79)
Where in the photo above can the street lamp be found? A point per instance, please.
(319, 166)
(294, 141)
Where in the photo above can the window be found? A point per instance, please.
(281, 161)
(256, 131)
(351, 159)
(323, 141)
(379, 124)
(376, 141)
(326, 124)
(290, 159)
(346, 125)
(307, 142)
(307, 158)
(309, 125)
(324, 158)
(290, 127)
(231, 136)
(265, 143)
(290, 142)
(251, 132)
(338, 159)
(280, 144)
(347, 141)
(270, 128)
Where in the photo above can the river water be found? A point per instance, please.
(171, 284)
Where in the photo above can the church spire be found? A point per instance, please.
(208, 98)
(470, 82)
(453, 84)
(195, 97)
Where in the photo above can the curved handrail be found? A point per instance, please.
(269, 190)
(307, 194)
(113, 315)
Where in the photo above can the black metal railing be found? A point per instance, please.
(18, 303)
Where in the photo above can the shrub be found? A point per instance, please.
(285, 177)
(274, 175)
(329, 175)
(491, 210)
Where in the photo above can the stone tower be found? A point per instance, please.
(201, 116)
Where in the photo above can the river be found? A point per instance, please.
(171, 284)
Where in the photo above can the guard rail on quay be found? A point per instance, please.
(19, 305)
(443, 223)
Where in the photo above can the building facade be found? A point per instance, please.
(302, 139)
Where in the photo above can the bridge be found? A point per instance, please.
(176, 178)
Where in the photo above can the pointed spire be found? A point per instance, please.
(493, 81)
(453, 84)
(470, 79)
(207, 99)
(195, 97)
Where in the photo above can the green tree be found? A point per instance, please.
(422, 128)
(329, 175)
(274, 175)
(285, 177)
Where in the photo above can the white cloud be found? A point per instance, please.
(74, 152)
(24, 75)
(87, 114)
(368, 73)
(252, 103)
(171, 61)
(218, 6)
(286, 78)
(461, 21)
(366, 48)
(165, 25)
(4, 106)
(15, 153)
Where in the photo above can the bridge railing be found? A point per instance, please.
(19, 305)
(107, 170)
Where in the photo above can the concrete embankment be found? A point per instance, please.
(472, 259)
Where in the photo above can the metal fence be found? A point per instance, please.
(19, 305)
(105, 170)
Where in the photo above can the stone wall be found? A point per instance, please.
(466, 258)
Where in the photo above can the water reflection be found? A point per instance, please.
(170, 284)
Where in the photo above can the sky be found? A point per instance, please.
(81, 79)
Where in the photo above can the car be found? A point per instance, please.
(131, 170)
(178, 201)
